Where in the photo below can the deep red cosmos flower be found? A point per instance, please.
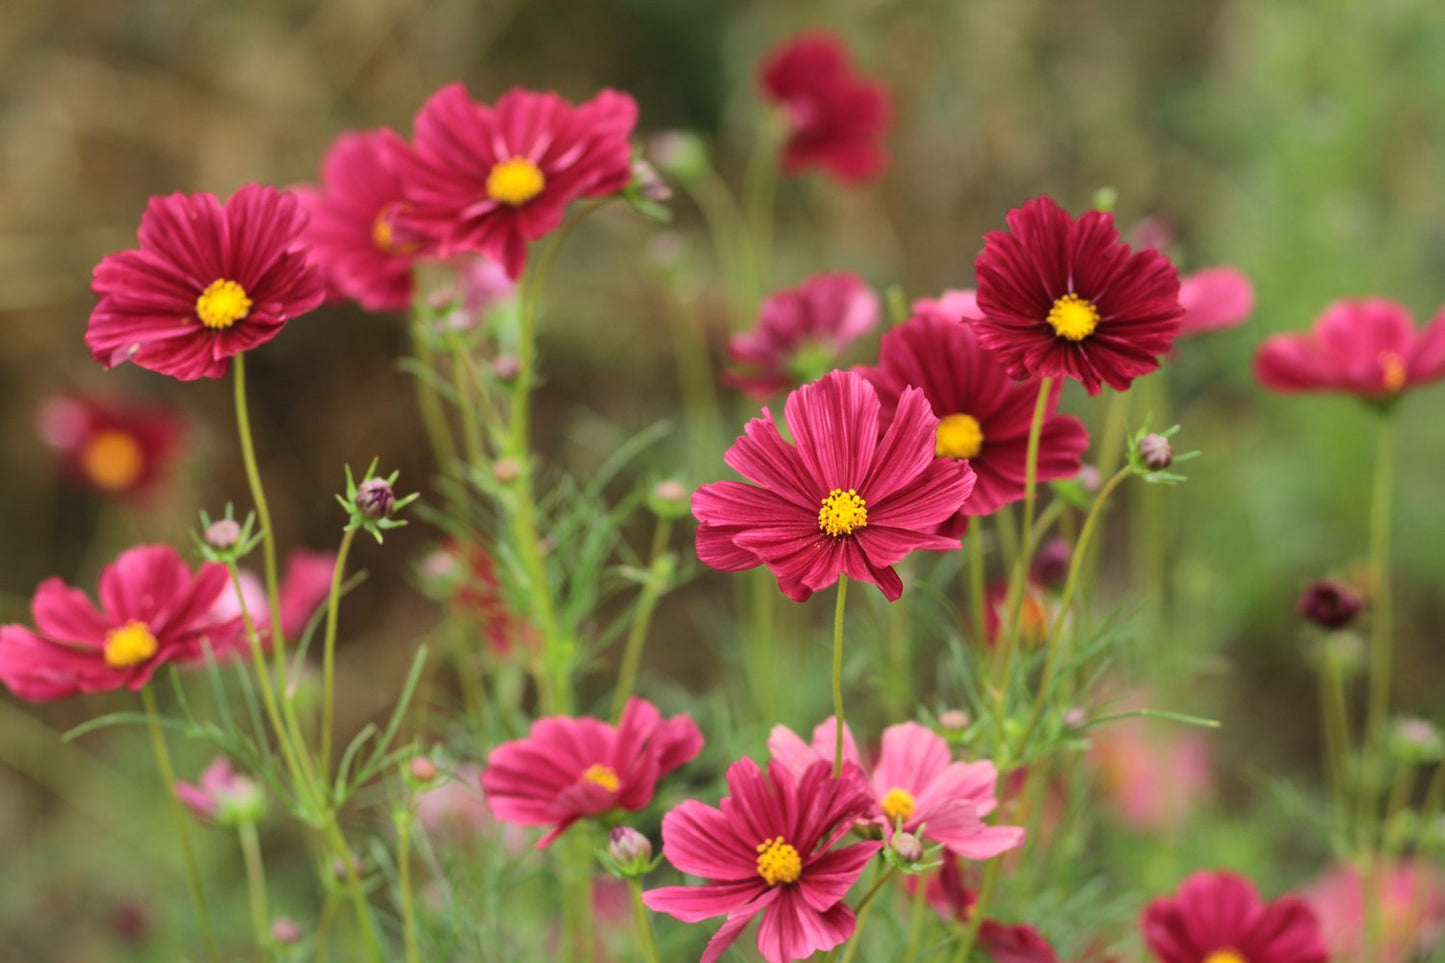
(489, 179)
(1219, 918)
(768, 850)
(116, 448)
(836, 118)
(152, 611)
(984, 416)
(801, 333)
(846, 498)
(1214, 298)
(1368, 348)
(1065, 297)
(568, 769)
(207, 282)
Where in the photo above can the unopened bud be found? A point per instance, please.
(1417, 742)
(650, 185)
(629, 849)
(223, 534)
(953, 719)
(679, 153)
(908, 847)
(506, 367)
(1155, 452)
(423, 769)
(1329, 604)
(285, 931)
(1089, 479)
(340, 869)
(375, 498)
(1050, 566)
(506, 470)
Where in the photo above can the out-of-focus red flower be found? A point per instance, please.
(116, 448)
(1220, 916)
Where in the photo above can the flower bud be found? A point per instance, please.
(506, 470)
(649, 184)
(1050, 566)
(908, 847)
(953, 719)
(669, 499)
(1417, 742)
(1089, 479)
(1329, 604)
(223, 796)
(1155, 452)
(630, 850)
(375, 498)
(285, 931)
(223, 534)
(423, 770)
(680, 154)
(506, 367)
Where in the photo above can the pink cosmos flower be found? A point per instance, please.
(916, 782)
(115, 448)
(1367, 348)
(489, 180)
(1214, 298)
(768, 850)
(984, 416)
(845, 499)
(1412, 910)
(207, 282)
(305, 586)
(153, 610)
(801, 333)
(1219, 917)
(223, 796)
(568, 769)
(836, 118)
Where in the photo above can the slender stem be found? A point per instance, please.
(1334, 713)
(838, 675)
(183, 829)
(256, 886)
(980, 910)
(759, 185)
(1381, 629)
(1018, 580)
(645, 939)
(977, 592)
(577, 898)
(861, 911)
(342, 853)
(403, 868)
(727, 228)
(642, 618)
(328, 670)
(466, 405)
(433, 415)
(915, 920)
(899, 689)
(263, 514)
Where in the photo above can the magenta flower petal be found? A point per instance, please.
(1214, 298)
(1222, 911)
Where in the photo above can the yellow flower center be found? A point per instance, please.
(1225, 955)
(897, 804)
(778, 862)
(112, 459)
(222, 304)
(515, 182)
(1073, 317)
(1392, 370)
(842, 512)
(604, 776)
(129, 644)
(958, 436)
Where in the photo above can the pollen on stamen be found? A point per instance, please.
(112, 460)
(897, 804)
(514, 182)
(958, 436)
(778, 862)
(1073, 318)
(843, 513)
(129, 644)
(222, 304)
(604, 776)
(1392, 371)
(1226, 955)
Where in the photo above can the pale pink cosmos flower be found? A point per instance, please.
(1412, 912)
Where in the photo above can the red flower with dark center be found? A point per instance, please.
(1219, 918)
(1066, 298)
(847, 498)
(983, 415)
(207, 282)
(490, 180)
(119, 449)
(1367, 348)
(836, 118)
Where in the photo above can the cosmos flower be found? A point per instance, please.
(207, 282)
(1213, 299)
(845, 499)
(489, 180)
(1154, 776)
(1412, 898)
(1368, 348)
(769, 850)
(835, 117)
(801, 333)
(115, 448)
(1219, 918)
(571, 768)
(984, 416)
(1066, 298)
(153, 610)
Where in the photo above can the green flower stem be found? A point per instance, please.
(701, 408)
(642, 618)
(328, 655)
(728, 229)
(403, 868)
(1018, 580)
(838, 675)
(915, 920)
(976, 590)
(1381, 629)
(980, 911)
(760, 591)
(183, 829)
(256, 886)
(899, 689)
(465, 380)
(263, 514)
(1335, 721)
(341, 852)
(759, 188)
(577, 898)
(645, 939)
(433, 414)
(865, 905)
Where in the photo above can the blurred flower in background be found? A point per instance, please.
(1412, 911)
(1219, 918)
(117, 448)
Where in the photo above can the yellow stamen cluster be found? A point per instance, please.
(1073, 317)
(842, 513)
(1226, 955)
(222, 304)
(514, 182)
(778, 862)
(129, 645)
(1392, 370)
(897, 804)
(958, 436)
(112, 460)
(604, 776)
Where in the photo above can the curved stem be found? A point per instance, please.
(838, 675)
(861, 912)
(328, 670)
(1335, 720)
(976, 591)
(1018, 579)
(433, 415)
(255, 885)
(980, 910)
(645, 939)
(263, 514)
(641, 619)
(342, 853)
(915, 920)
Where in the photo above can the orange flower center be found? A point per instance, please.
(383, 234)
(222, 304)
(842, 513)
(897, 804)
(778, 862)
(604, 776)
(1226, 955)
(129, 644)
(958, 436)
(112, 459)
(1392, 370)
(1073, 318)
(514, 182)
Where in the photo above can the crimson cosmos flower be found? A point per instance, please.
(1219, 918)
(1367, 348)
(152, 611)
(1065, 297)
(207, 282)
(836, 118)
(769, 850)
(489, 180)
(984, 416)
(846, 499)
(568, 769)
(115, 448)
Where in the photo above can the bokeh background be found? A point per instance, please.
(1301, 141)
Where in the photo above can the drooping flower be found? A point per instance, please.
(984, 416)
(836, 118)
(572, 768)
(1412, 912)
(1213, 299)
(1368, 348)
(223, 796)
(844, 499)
(115, 448)
(768, 850)
(207, 282)
(1219, 918)
(801, 333)
(489, 180)
(153, 610)
(305, 585)
(916, 785)
(1066, 298)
